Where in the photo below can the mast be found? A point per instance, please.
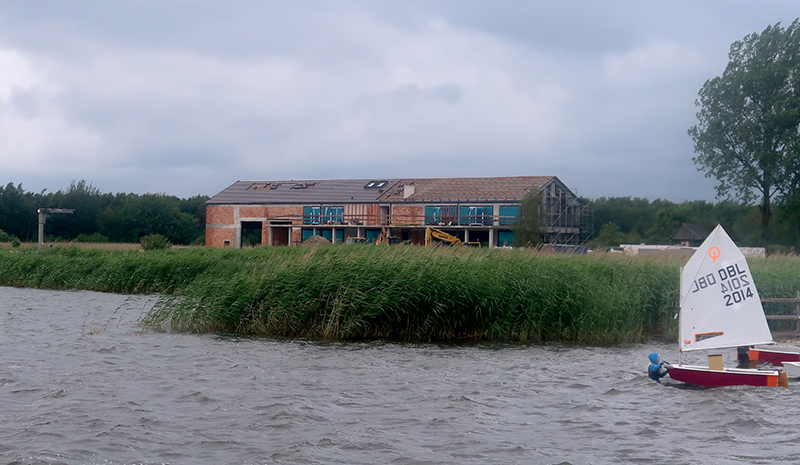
(680, 317)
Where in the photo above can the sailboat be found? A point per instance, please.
(720, 308)
(776, 357)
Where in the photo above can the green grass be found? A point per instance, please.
(397, 292)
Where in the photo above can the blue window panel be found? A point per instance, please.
(372, 234)
(332, 215)
(475, 215)
(339, 236)
(509, 214)
(463, 215)
(307, 233)
(488, 215)
(310, 215)
(505, 238)
(433, 215)
(326, 233)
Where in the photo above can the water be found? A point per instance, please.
(82, 383)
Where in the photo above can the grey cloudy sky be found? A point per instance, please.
(186, 97)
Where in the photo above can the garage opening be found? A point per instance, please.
(481, 236)
(251, 233)
(280, 236)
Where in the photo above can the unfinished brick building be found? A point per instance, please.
(472, 209)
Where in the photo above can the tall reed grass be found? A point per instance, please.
(428, 294)
(397, 292)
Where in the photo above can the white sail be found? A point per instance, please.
(720, 306)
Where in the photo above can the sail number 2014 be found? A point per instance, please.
(734, 284)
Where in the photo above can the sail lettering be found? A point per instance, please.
(703, 282)
(730, 271)
(734, 284)
(737, 297)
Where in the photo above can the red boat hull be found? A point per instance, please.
(775, 357)
(704, 376)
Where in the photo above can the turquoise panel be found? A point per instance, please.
(310, 215)
(372, 234)
(505, 238)
(433, 214)
(509, 214)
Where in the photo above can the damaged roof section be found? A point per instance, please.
(464, 189)
(382, 190)
(292, 191)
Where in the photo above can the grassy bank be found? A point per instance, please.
(409, 293)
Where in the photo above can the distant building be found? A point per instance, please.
(687, 238)
(472, 209)
(691, 234)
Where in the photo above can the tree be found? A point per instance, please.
(196, 206)
(747, 137)
(18, 211)
(134, 216)
(88, 203)
(634, 216)
(528, 227)
(610, 235)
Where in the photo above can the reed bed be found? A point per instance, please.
(422, 294)
(396, 292)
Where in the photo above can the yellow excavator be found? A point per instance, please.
(385, 238)
(438, 234)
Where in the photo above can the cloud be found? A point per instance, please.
(186, 97)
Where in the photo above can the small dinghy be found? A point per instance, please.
(720, 308)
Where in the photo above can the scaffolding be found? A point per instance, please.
(561, 216)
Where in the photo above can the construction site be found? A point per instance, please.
(421, 211)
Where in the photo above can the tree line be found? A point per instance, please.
(121, 217)
(101, 217)
(619, 220)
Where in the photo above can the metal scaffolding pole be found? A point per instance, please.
(43, 212)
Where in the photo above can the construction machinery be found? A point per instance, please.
(438, 234)
(385, 238)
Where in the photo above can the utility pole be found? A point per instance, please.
(43, 212)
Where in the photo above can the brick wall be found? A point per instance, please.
(408, 215)
(252, 212)
(216, 237)
(219, 214)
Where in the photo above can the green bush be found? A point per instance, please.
(155, 242)
(15, 242)
(96, 237)
(6, 237)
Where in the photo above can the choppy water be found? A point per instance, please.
(81, 383)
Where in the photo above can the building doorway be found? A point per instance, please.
(280, 236)
(251, 233)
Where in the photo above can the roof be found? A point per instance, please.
(380, 190)
(306, 191)
(466, 189)
(691, 232)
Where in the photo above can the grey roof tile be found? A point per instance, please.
(329, 191)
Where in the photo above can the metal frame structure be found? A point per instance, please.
(43, 213)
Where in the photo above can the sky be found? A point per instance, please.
(185, 97)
